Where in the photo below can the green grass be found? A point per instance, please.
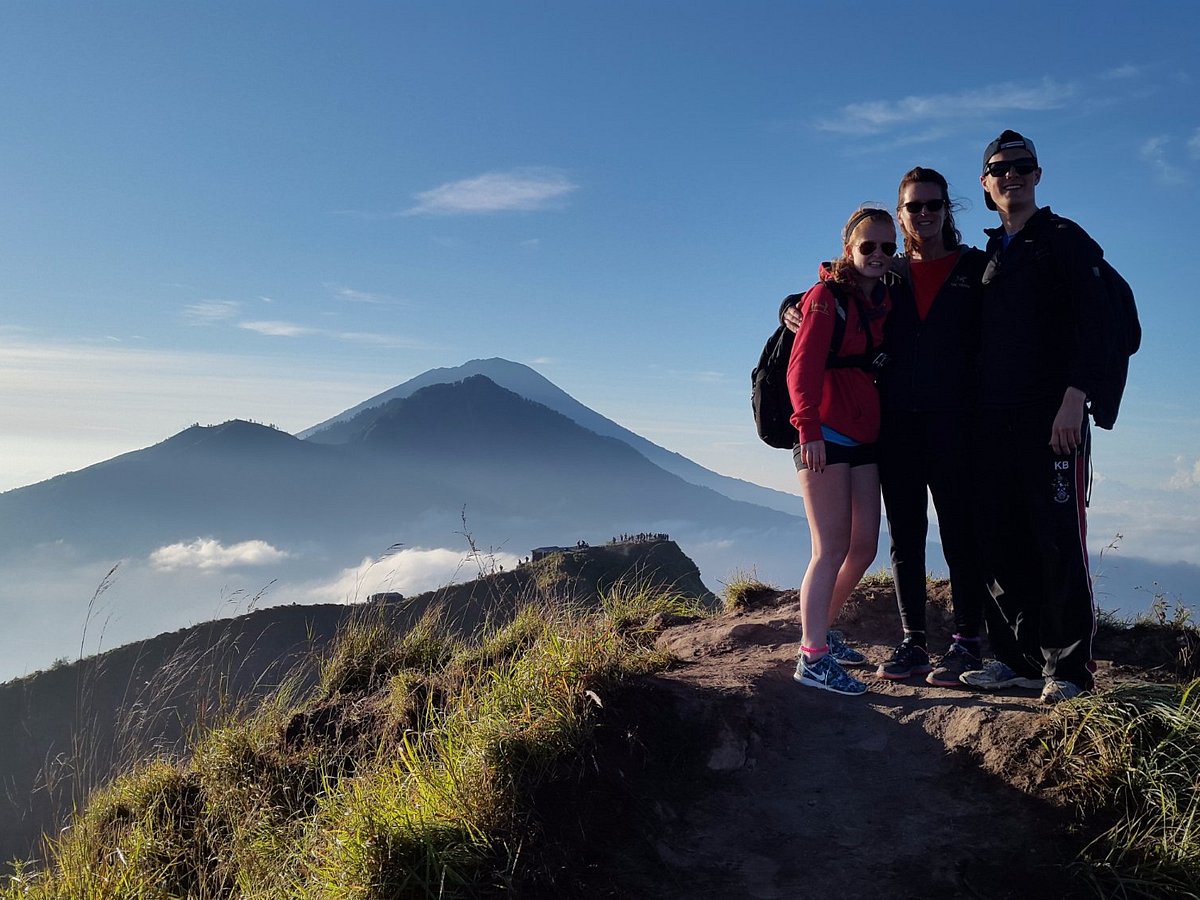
(880, 579)
(1130, 757)
(742, 590)
(405, 771)
(632, 605)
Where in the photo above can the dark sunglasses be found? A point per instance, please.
(866, 248)
(1003, 167)
(915, 206)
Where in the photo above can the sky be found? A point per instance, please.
(274, 210)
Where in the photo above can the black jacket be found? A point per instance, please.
(932, 364)
(1040, 332)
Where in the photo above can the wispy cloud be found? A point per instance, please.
(876, 117)
(207, 554)
(1154, 152)
(209, 312)
(1187, 475)
(278, 329)
(351, 295)
(1193, 144)
(377, 339)
(365, 338)
(520, 190)
(1121, 72)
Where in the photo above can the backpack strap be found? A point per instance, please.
(867, 360)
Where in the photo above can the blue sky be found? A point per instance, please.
(273, 210)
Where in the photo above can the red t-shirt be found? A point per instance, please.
(927, 277)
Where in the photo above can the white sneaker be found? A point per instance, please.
(996, 676)
(1056, 690)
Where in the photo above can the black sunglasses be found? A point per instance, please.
(915, 206)
(1003, 167)
(866, 248)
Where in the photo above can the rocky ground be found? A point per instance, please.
(725, 779)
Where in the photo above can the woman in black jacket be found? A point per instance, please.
(928, 396)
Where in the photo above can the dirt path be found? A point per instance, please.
(909, 791)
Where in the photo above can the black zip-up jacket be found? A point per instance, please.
(1040, 330)
(932, 364)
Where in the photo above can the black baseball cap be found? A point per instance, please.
(1008, 140)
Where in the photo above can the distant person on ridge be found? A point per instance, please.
(1042, 350)
(836, 413)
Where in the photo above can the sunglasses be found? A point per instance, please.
(866, 248)
(915, 206)
(1003, 167)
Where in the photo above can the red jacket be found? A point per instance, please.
(845, 400)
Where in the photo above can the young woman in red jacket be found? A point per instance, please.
(836, 412)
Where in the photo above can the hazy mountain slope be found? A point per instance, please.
(471, 443)
(526, 382)
(549, 465)
(236, 482)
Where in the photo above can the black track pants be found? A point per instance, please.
(1033, 531)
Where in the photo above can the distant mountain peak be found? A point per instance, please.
(513, 376)
(472, 414)
(526, 382)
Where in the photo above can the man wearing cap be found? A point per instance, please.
(1033, 443)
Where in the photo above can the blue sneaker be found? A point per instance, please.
(826, 674)
(843, 652)
(996, 676)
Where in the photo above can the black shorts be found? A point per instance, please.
(858, 455)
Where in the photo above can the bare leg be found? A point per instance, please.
(828, 504)
(864, 535)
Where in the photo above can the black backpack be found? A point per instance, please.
(769, 396)
(1122, 325)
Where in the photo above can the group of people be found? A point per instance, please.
(962, 374)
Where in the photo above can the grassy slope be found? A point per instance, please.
(422, 764)
(83, 723)
(403, 772)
